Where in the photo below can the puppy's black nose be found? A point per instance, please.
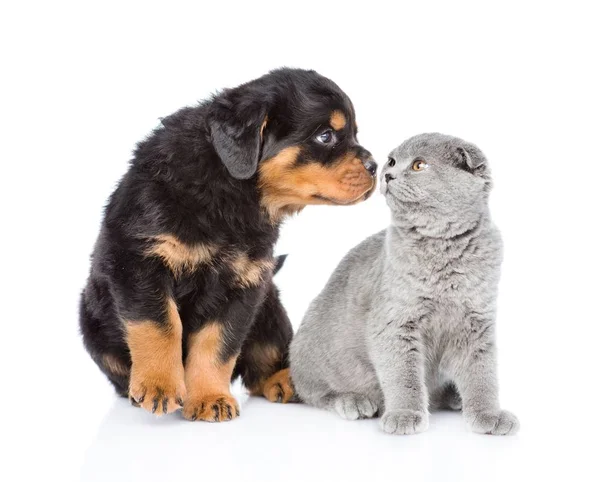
(389, 177)
(371, 166)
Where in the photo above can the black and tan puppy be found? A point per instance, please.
(180, 297)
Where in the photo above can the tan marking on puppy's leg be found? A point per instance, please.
(114, 365)
(207, 378)
(337, 120)
(178, 256)
(250, 272)
(278, 387)
(157, 377)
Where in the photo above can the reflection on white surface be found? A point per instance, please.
(288, 442)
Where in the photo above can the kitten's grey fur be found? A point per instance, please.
(406, 321)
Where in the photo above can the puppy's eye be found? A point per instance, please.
(419, 165)
(391, 162)
(326, 137)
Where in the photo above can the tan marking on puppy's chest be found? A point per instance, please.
(250, 272)
(181, 257)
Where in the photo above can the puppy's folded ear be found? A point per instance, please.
(236, 126)
(471, 157)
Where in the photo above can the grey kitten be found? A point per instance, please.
(406, 321)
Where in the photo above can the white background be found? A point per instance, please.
(81, 84)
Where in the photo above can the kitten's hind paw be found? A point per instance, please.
(404, 422)
(501, 422)
(353, 406)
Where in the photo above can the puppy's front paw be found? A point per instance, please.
(211, 408)
(353, 406)
(157, 392)
(404, 422)
(499, 422)
(278, 387)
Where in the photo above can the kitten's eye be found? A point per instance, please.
(326, 137)
(419, 165)
(391, 162)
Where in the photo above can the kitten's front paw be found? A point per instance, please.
(353, 406)
(499, 422)
(404, 422)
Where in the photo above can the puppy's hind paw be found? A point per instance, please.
(353, 406)
(500, 422)
(279, 388)
(404, 422)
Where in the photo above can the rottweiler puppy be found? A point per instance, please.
(180, 298)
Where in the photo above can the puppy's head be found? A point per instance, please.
(294, 132)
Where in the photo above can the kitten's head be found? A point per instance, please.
(434, 180)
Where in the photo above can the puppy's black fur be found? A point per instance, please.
(182, 269)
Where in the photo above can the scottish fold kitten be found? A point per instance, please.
(406, 321)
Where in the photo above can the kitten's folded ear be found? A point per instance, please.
(236, 122)
(471, 157)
